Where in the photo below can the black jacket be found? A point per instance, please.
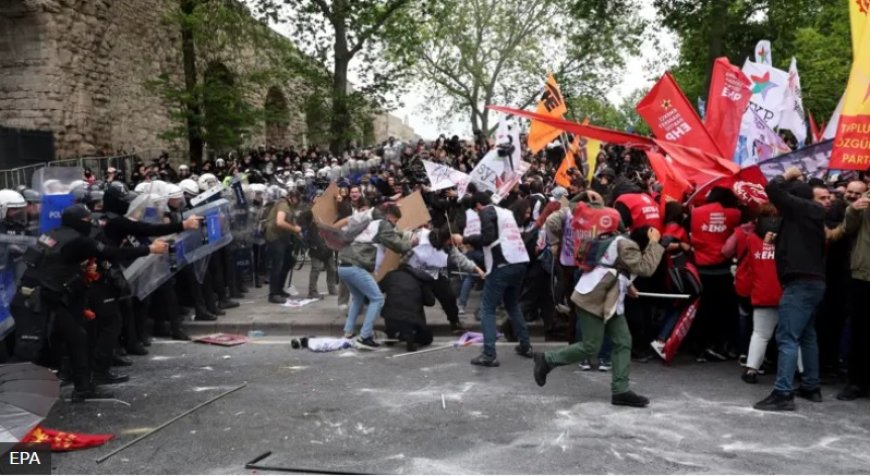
(800, 242)
(407, 291)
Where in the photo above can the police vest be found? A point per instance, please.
(509, 238)
(49, 269)
(712, 224)
(643, 210)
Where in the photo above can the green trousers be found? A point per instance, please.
(594, 328)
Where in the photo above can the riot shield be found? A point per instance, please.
(147, 273)
(56, 186)
(12, 248)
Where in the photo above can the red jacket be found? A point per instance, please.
(712, 224)
(760, 276)
(643, 209)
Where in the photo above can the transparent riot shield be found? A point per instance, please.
(147, 273)
(56, 186)
(12, 248)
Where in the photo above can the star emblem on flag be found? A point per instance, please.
(863, 5)
(764, 54)
(762, 84)
(666, 104)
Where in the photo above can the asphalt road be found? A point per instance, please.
(434, 413)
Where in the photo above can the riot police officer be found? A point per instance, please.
(54, 284)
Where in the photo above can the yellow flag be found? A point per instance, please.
(592, 148)
(858, 11)
(852, 143)
(551, 104)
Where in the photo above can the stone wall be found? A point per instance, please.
(387, 125)
(79, 67)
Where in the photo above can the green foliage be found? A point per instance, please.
(816, 32)
(602, 113)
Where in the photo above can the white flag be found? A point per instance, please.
(762, 53)
(443, 176)
(831, 128)
(792, 109)
(757, 141)
(768, 89)
(493, 174)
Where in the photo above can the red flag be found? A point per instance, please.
(697, 166)
(672, 118)
(674, 184)
(726, 102)
(65, 441)
(592, 132)
(748, 184)
(817, 133)
(681, 329)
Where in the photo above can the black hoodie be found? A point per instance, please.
(800, 242)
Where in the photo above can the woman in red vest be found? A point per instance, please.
(760, 278)
(710, 226)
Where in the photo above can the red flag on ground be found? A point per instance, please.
(696, 165)
(65, 441)
(672, 118)
(681, 329)
(592, 132)
(726, 102)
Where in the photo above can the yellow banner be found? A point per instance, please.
(852, 144)
(858, 11)
(551, 104)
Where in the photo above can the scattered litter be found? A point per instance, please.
(125, 460)
(203, 389)
(328, 344)
(225, 357)
(192, 432)
(443, 402)
(161, 357)
(299, 302)
(99, 415)
(241, 413)
(256, 333)
(222, 339)
(313, 442)
(228, 428)
(207, 367)
(295, 367)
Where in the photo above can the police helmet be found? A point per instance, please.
(207, 181)
(189, 187)
(9, 201)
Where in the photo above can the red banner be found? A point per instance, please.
(681, 329)
(696, 165)
(672, 118)
(726, 102)
(852, 144)
(608, 136)
(748, 184)
(674, 183)
(65, 441)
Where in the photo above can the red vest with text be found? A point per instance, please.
(712, 224)
(763, 282)
(644, 210)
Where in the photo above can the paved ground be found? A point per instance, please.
(319, 318)
(365, 412)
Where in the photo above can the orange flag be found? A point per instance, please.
(562, 177)
(551, 104)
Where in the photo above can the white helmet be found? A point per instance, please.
(207, 181)
(189, 187)
(220, 163)
(142, 187)
(10, 199)
(276, 193)
(173, 191)
(257, 188)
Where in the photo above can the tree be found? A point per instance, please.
(480, 52)
(210, 103)
(814, 31)
(338, 32)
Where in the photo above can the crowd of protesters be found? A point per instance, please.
(777, 287)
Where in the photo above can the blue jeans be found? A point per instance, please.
(362, 286)
(471, 278)
(503, 284)
(796, 328)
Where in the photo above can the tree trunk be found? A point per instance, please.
(718, 24)
(340, 124)
(192, 107)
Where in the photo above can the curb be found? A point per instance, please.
(439, 329)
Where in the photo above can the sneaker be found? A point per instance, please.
(348, 335)
(457, 328)
(484, 360)
(366, 343)
(749, 377)
(742, 360)
(524, 350)
(629, 399)
(659, 348)
(291, 290)
(585, 364)
(776, 402)
(604, 365)
(461, 310)
(563, 309)
(814, 395)
(852, 392)
(342, 307)
(542, 368)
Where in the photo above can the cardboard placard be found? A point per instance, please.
(414, 215)
(325, 208)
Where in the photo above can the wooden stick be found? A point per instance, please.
(664, 296)
(431, 349)
(173, 420)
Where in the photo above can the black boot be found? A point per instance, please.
(90, 392)
(202, 314)
(119, 361)
(629, 399)
(228, 304)
(542, 368)
(107, 377)
(176, 332)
